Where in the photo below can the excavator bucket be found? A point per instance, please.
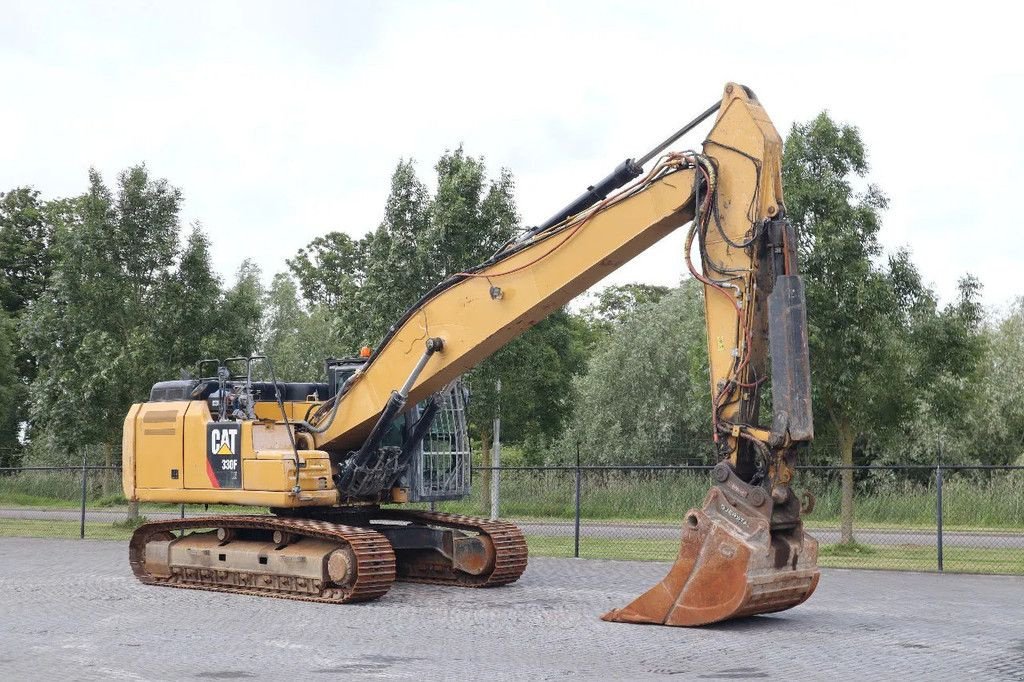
(732, 563)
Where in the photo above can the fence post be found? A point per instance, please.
(182, 511)
(938, 509)
(576, 532)
(496, 463)
(81, 529)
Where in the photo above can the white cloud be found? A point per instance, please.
(281, 123)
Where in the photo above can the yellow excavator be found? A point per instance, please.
(332, 459)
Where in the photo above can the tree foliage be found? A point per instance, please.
(187, 300)
(880, 349)
(369, 283)
(26, 234)
(96, 354)
(422, 239)
(26, 238)
(331, 271)
(121, 310)
(535, 373)
(991, 431)
(297, 338)
(614, 303)
(12, 392)
(102, 296)
(645, 397)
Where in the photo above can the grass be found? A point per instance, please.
(982, 502)
(992, 502)
(31, 528)
(1008, 561)
(847, 549)
(604, 548)
(129, 523)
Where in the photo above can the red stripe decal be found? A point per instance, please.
(210, 474)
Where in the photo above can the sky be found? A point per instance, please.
(283, 121)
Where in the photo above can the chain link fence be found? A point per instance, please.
(924, 518)
(912, 517)
(81, 502)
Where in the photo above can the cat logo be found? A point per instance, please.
(223, 441)
(224, 454)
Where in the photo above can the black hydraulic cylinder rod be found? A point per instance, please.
(713, 109)
(418, 432)
(623, 173)
(422, 426)
(626, 171)
(394, 407)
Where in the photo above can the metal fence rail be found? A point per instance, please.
(912, 517)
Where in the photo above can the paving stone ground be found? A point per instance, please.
(71, 609)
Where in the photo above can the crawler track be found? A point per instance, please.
(510, 553)
(375, 560)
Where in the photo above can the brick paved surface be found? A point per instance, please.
(87, 618)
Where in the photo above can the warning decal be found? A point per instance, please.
(224, 454)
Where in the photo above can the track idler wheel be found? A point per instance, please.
(731, 562)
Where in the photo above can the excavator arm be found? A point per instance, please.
(475, 313)
(744, 551)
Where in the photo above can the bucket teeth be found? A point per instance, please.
(731, 564)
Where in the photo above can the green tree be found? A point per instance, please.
(398, 264)
(189, 299)
(999, 413)
(470, 218)
(871, 322)
(645, 397)
(26, 238)
(536, 373)
(329, 269)
(295, 339)
(26, 234)
(92, 329)
(950, 349)
(369, 283)
(12, 393)
(239, 316)
(423, 239)
(614, 303)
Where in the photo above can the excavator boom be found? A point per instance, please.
(479, 311)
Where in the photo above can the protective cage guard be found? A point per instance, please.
(441, 466)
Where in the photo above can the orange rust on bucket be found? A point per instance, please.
(732, 563)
